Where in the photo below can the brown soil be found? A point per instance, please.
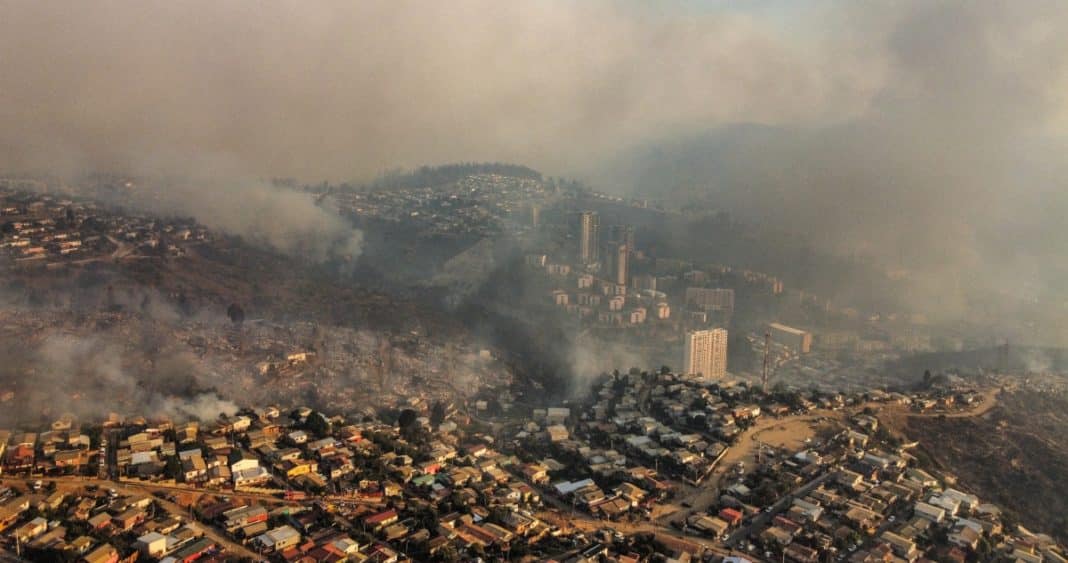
(1015, 455)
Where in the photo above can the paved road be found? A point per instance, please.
(217, 535)
(153, 487)
(587, 523)
(743, 450)
(756, 525)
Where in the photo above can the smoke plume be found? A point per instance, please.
(952, 177)
(83, 375)
(222, 196)
(346, 90)
(928, 135)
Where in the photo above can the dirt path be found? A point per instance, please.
(788, 432)
(896, 417)
(990, 400)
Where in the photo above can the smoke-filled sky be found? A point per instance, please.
(928, 133)
(342, 90)
(349, 89)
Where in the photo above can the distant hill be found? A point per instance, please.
(1015, 359)
(430, 176)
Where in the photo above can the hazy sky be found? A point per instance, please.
(348, 89)
(927, 132)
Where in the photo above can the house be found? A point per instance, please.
(82, 509)
(103, 554)
(99, 521)
(848, 478)
(52, 539)
(243, 516)
(128, 519)
(631, 492)
(293, 468)
(195, 550)
(801, 554)
(862, 519)
(777, 535)
(278, 539)
(965, 537)
(711, 525)
(81, 544)
(932, 513)
(218, 475)
(193, 468)
(152, 544)
(557, 433)
(731, 516)
(784, 523)
(31, 529)
(381, 519)
(535, 473)
(903, 547)
(811, 511)
(962, 500)
(240, 460)
(71, 458)
(53, 501)
(250, 477)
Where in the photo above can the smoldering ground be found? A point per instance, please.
(87, 376)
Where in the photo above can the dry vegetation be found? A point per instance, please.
(1015, 456)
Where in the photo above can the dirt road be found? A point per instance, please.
(788, 432)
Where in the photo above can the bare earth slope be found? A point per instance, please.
(1016, 455)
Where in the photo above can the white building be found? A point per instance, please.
(795, 339)
(278, 539)
(705, 353)
(710, 299)
(152, 544)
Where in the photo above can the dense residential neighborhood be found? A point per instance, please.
(534, 281)
(454, 461)
(649, 465)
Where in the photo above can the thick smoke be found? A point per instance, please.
(952, 177)
(83, 375)
(221, 196)
(346, 90)
(589, 359)
(927, 134)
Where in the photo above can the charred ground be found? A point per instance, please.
(1015, 455)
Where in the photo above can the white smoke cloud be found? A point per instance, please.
(222, 196)
(342, 89)
(920, 131)
(93, 368)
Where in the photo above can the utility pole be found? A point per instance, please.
(767, 353)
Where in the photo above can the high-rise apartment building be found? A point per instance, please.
(705, 353)
(710, 299)
(588, 224)
(617, 250)
(622, 234)
(616, 258)
(795, 339)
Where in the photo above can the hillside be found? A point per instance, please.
(123, 325)
(1015, 455)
